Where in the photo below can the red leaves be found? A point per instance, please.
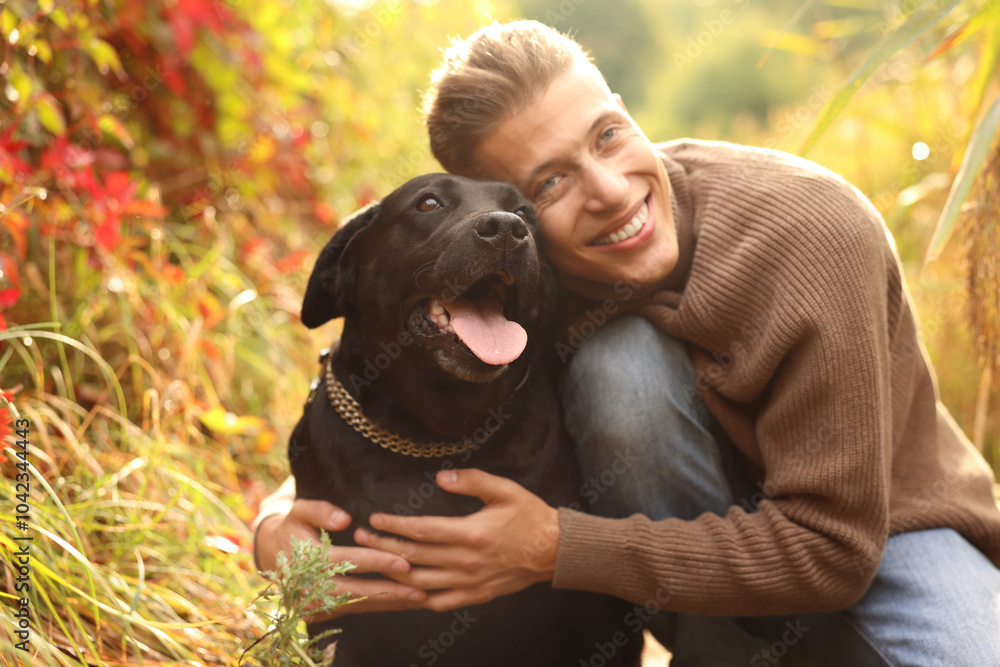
(16, 226)
(325, 213)
(10, 277)
(292, 262)
(173, 274)
(118, 189)
(71, 165)
(188, 15)
(9, 296)
(107, 233)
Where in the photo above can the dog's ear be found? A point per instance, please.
(331, 281)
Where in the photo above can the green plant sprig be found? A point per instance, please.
(302, 585)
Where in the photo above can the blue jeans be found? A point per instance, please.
(935, 599)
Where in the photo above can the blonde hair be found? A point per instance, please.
(487, 78)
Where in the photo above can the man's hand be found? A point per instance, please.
(304, 521)
(503, 548)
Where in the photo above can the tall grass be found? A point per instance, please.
(141, 491)
(166, 171)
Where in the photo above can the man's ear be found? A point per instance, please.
(331, 284)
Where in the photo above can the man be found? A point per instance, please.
(770, 424)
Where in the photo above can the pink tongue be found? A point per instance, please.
(483, 328)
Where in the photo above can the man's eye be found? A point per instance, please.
(608, 134)
(547, 184)
(428, 204)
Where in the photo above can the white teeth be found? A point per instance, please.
(629, 229)
(439, 316)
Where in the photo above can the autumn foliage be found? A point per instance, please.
(168, 170)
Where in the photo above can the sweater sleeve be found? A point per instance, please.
(279, 502)
(811, 540)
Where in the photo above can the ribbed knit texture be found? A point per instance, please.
(806, 350)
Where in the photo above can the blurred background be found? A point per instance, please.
(169, 170)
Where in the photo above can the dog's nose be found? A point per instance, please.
(501, 228)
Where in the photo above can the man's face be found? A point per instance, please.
(601, 192)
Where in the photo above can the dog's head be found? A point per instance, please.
(448, 264)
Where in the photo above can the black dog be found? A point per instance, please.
(446, 305)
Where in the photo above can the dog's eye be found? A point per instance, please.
(428, 204)
(522, 213)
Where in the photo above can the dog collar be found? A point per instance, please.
(350, 411)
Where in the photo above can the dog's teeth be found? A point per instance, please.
(450, 329)
(437, 308)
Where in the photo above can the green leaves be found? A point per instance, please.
(50, 114)
(915, 24)
(103, 55)
(972, 162)
(912, 27)
(305, 586)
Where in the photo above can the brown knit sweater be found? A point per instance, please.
(806, 350)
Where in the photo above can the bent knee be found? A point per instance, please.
(630, 358)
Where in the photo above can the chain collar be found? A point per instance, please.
(350, 411)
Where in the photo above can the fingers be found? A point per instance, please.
(456, 598)
(454, 555)
(304, 522)
(367, 561)
(319, 514)
(435, 579)
(431, 529)
(473, 482)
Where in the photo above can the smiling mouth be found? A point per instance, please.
(475, 323)
(629, 230)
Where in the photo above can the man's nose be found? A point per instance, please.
(605, 185)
